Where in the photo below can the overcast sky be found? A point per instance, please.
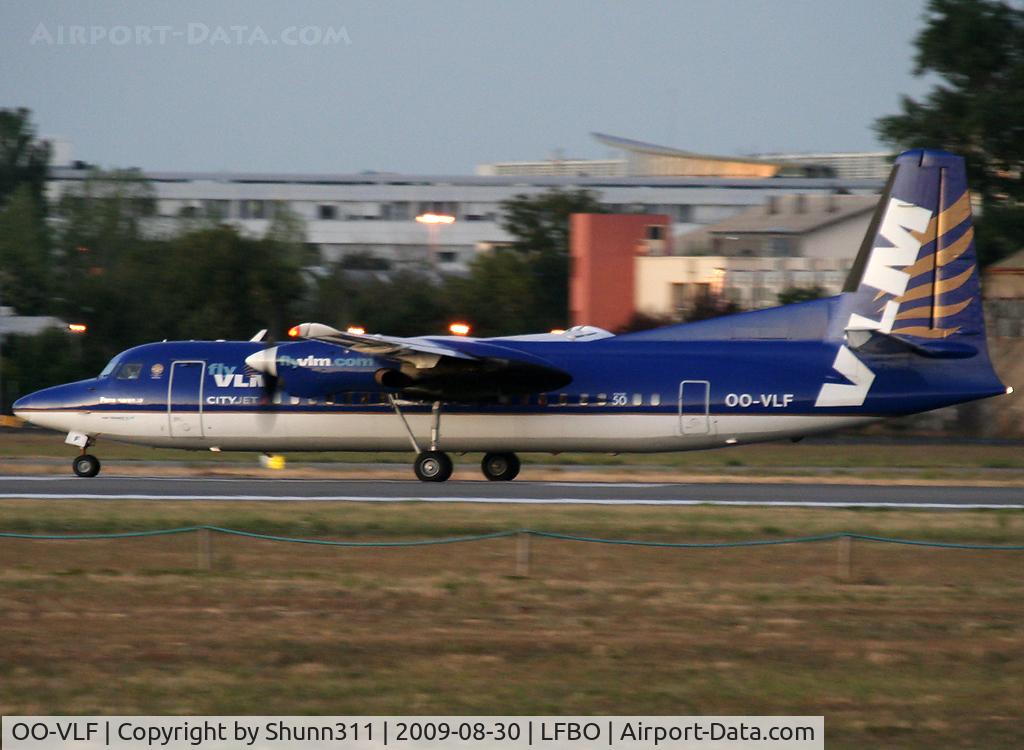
(437, 87)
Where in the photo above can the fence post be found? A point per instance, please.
(204, 553)
(844, 562)
(523, 554)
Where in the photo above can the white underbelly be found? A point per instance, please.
(382, 431)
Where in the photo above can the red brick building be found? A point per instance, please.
(602, 249)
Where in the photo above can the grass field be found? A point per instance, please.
(917, 648)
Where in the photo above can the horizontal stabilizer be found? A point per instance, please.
(876, 342)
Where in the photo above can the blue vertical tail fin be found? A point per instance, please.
(916, 276)
(914, 288)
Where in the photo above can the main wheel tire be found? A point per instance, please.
(86, 465)
(500, 467)
(433, 466)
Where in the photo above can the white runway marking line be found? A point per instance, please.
(304, 480)
(515, 501)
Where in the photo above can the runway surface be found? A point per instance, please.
(371, 490)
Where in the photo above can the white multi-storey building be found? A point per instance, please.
(375, 214)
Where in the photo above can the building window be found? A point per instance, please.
(326, 212)
(447, 256)
(216, 209)
(655, 232)
(252, 209)
(780, 247)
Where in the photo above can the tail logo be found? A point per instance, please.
(903, 226)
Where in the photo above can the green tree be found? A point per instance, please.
(216, 283)
(800, 294)
(497, 297)
(26, 267)
(24, 160)
(107, 262)
(539, 225)
(976, 49)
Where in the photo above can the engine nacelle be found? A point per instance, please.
(310, 369)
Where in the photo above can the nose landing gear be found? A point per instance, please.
(86, 465)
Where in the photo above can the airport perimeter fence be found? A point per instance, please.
(205, 557)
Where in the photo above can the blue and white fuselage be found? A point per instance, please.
(906, 336)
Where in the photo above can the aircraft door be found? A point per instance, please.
(185, 399)
(694, 407)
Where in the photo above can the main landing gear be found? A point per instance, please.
(86, 465)
(434, 465)
(500, 467)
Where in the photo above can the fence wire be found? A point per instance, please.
(835, 536)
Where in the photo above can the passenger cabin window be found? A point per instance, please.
(129, 371)
(563, 399)
(602, 399)
(584, 398)
(542, 399)
(638, 399)
(655, 399)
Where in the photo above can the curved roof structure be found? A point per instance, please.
(650, 159)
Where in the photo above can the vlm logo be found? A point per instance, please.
(881, 273)
(226, 377)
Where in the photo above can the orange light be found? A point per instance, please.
(78, 327)
(293, 331)
(356, 330)
(459, 329)
(429, 218)
(557, 330)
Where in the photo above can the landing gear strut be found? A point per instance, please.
(500, 467)
(86, 465)
(431, 465)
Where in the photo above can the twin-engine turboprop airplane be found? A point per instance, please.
(906, 335)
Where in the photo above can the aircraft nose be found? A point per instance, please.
(26, 407)
(25, 402)
(41, 406)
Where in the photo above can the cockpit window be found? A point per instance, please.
(129, 371)
(111, 365)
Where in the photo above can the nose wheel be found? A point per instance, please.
(86, 465)
(433, 466)
(500, 467)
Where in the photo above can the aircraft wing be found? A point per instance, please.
(419, 352)
(456, 369)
